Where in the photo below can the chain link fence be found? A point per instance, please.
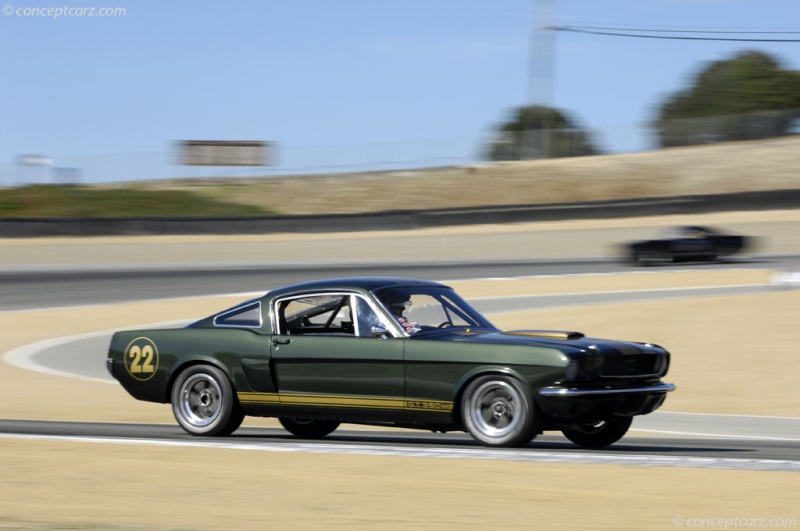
(128, 167)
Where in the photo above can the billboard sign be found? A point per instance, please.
(224, 153)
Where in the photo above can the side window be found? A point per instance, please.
(246, 316)
(316, 314)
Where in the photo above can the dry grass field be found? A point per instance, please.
(719, 168)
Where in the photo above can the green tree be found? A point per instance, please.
(536, 132)
(747, 97)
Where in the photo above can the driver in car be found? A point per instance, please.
(398, 303)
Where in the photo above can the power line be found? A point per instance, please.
(671, 37)
(646, 30)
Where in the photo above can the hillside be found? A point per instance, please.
(719, 168)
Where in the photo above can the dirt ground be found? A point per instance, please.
(730, 355)
(65, 485)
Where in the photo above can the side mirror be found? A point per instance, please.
(379, 331)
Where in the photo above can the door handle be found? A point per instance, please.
(280, 341)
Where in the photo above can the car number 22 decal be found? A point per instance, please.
(141, 358)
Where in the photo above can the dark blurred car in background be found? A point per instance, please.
(685, 244)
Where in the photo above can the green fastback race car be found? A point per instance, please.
(391, 352)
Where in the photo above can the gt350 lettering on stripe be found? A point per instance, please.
(432, 405)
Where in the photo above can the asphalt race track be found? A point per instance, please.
(21, 290)
(714, 441)
(632, 450)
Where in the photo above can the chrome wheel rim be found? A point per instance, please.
(496, 409)
(200, 401)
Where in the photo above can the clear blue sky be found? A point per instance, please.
(341, 72)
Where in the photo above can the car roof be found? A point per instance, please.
(679, 230)
(355, 283)
(695, 227)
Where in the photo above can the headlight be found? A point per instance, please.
(662, 365)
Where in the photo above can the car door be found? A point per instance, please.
(335, 350)
(693, 243)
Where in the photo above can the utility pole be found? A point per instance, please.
(541, 70)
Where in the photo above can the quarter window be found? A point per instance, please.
(245, 316)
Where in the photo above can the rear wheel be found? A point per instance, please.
(204, 403)
(598, 434)
(499, 411)
(308, 428)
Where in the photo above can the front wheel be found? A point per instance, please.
(204, 403)
(499, 411)
(598, 434)
(308, 428)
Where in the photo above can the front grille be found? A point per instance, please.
(633, 365)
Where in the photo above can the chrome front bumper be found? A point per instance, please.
(568, 392)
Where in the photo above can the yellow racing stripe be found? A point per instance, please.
(344, 401)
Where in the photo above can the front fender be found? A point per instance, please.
(475, 372)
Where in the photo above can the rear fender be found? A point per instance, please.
(185, 364)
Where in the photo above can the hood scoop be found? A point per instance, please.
(548, 334)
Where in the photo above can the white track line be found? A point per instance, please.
(447, 453)
(725, 436)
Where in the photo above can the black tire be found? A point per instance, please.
(599, 434)
(498, 410)
(204, 403)
(308, 428)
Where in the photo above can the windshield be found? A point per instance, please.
(420, 309)
(685, 232)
